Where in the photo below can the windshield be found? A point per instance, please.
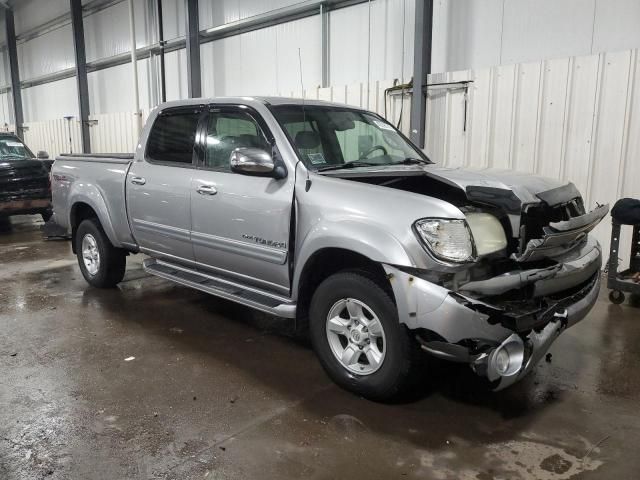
(330, 137)
(11, 148)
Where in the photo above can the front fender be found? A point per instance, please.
(369, 240)
(93, 197)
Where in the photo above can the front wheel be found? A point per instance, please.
(101, 264)
(359, 341)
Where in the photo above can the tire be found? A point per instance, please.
(616, 297)
(106, 265)
(341, 296)
(46, 215)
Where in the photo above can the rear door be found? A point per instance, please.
(240, 223)
(159, 186)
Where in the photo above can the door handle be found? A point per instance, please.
(206, 190)
(138, 180)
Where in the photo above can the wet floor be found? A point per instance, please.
(153, 380)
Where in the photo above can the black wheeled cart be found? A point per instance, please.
(625, 212)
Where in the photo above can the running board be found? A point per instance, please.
(251, 297)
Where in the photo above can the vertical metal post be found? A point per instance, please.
(421, 68)
(194, 79)
(134, 66)
(16, 92)
(324, 44)
(81, 73)
(163, 79)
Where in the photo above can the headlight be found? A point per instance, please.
(488, 234)
(448, 240)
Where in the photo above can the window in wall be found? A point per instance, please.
(172, 137)
(228, 130)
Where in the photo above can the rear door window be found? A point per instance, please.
(172, 137)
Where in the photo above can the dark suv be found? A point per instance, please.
(24, 179)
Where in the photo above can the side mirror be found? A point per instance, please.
(42, 155)
(256, 162)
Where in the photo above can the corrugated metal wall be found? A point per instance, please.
(574, 118)
(476, 34)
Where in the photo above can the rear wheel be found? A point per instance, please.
(101, 264)
(359, 341)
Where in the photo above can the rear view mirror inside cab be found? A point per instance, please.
(342, 121)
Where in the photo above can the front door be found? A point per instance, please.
(240, 223)
(159, 187)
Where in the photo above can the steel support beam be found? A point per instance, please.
(163, 78)
(81, 72)
(324, 45)
(421, 68)
(16, 91)
(194, 79)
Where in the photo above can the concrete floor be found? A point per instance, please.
(218, 391)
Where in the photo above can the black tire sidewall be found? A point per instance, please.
(388, 380)
(103, 278)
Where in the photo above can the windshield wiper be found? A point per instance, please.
(353, 164)
(412, 161)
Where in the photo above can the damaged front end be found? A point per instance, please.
(500, 313)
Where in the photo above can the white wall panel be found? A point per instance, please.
(552, 117)
(217, 12)
(482, 33)
(303, 34)
(349, 31)
(4, 68)
(502, 115)
(616, 25)
(173, 18)
(528, 95)
(221, 66)
(263, 62)
(54, 136)
(258, 66)
(546, 29)
(50, 101)
(48, 53)
(114, 132)
(111, 90)
(466, 34)
(6, 117)
(176, 74)
(33, 13)
(106, 32)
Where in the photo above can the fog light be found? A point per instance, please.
(507, 359)
(502, 361)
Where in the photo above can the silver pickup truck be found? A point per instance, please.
(327, 215)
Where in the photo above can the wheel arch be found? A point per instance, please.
(81, 210)
(327, 261)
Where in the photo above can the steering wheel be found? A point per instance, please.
(373, 149)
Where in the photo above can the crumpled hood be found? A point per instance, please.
(516, 188)
(505, 188)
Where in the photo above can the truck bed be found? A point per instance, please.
(97, 156)
(97, 181)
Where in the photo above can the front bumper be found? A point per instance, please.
(460, 328)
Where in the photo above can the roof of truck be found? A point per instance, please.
(249, 99)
